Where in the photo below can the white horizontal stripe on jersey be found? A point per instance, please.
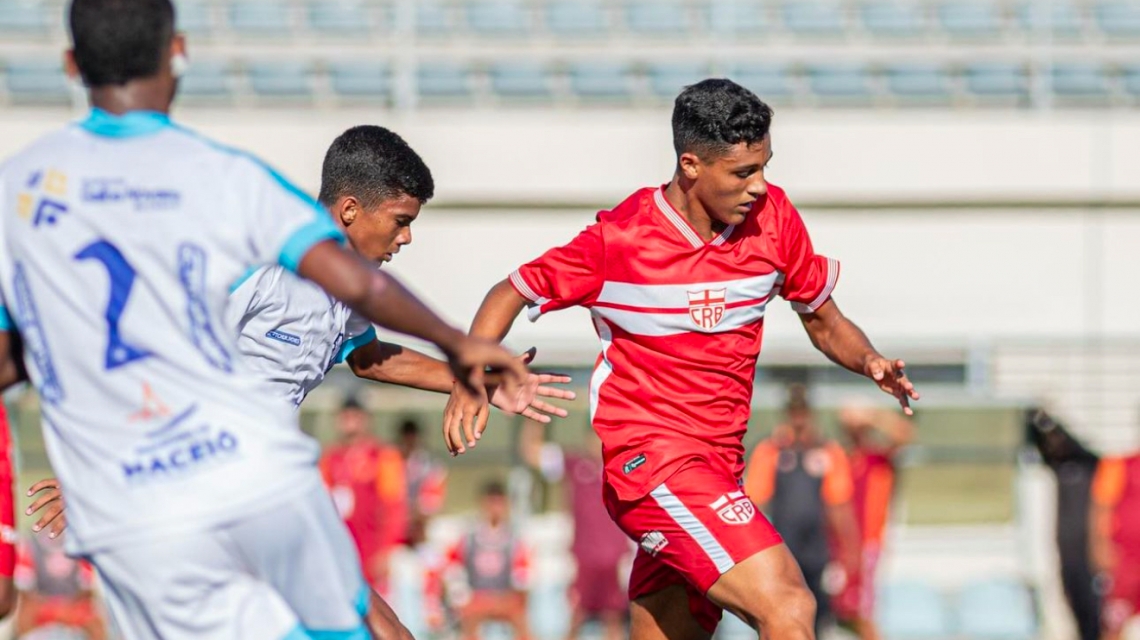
(676, 296)
(604, 368)
(668, 324)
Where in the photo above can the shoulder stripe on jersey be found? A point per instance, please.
(303, 239)
(352, 344)
(675, 218)
(828, 288)
(6, 323)
(243, 278)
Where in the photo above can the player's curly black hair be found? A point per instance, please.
(713, 115)
(373, 164)
(117, 41)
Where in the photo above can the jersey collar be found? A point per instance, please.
(683, 225)
(128, 125)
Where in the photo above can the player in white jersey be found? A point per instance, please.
(292, 332)
(194, 495)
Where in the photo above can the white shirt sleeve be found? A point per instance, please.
(358, 331)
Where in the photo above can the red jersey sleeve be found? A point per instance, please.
(565, 276)
(808, 278)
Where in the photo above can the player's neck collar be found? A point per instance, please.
(130, 124)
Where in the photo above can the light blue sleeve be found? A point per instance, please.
(6, 323)
(354, 343)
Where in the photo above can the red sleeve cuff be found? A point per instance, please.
(825, 293)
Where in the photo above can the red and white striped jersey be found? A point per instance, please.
(680, 322)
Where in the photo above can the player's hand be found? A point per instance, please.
(466, 414)
(890, 375)
(526, 402)
(471, 357)
(53, 518)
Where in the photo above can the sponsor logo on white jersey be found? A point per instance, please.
(734, 508)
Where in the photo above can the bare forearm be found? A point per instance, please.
(841, 517)
(394, 364)
(1102, 552)
(12, 360)
(377, 296)
(498, 312)
(838, 338)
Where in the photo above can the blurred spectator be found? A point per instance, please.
(366, 479)
(492, 563)
(602, 552)
(803, 482)
(1115, 539)
(873, 440)
(56, 593)
(425, 477)
(1074, 466)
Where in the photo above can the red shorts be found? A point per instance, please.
(1123, 599)
(857, 599)
(691, 529)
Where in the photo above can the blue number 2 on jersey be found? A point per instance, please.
(122, 276)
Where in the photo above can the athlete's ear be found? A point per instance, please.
(690, 165)
(69, 66)
(347, 210)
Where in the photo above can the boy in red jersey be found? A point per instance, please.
(677, 279)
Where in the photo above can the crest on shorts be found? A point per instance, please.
(653, 542)
(734, 508)
(706, 308)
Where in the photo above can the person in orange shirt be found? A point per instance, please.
(366, 479)
(803, 482)
(1114, 538)
(874, 438)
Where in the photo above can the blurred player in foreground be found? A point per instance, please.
(802, 480)
(874, 439)
(493, 564)
(194, 495)
(292, 332)
(1114, 537)
(677, 279)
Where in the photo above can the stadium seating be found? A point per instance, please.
(840, 83)
(1119, 19)
(970, 19)
(601, 81)
(359, 80)
(1130, 80)
(1000, 81)
(281, 80)
(432, 18)
(913, 611)
(443, 81)
(520, 80)
(814, 19)
(1058, 19)
(1089, 81)
(497, 18)
(657, 17)
(892, 19)
(575, 18)
(193, 18)
(915, 83)
(666, 80)
(335, 17)
(19, 17)
(997, 610)
(261, 18)
(207, 80)
(773, 83)
(37, 81)
(739, 17)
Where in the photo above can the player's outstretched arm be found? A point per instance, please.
(466, 414)
(846, 345)
(394, 364)
(384, 301)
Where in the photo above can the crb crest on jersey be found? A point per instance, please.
(734, 508)
(706, 308)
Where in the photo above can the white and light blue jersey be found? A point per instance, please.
(291, 332)
(119, 240)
